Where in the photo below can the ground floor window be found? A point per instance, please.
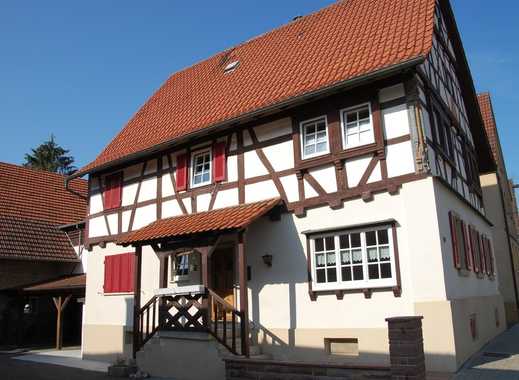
(357, 258)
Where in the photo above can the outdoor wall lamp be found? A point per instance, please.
(267, 259)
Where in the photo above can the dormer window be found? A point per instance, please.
(314, 137)
(201, 168)
(357, 126)
(231, 67)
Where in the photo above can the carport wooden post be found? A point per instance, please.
(60, 306)
(137, 299)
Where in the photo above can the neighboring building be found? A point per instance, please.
(312, 181)
(40, 241)
(499, 200)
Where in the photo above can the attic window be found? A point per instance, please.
(231, 67)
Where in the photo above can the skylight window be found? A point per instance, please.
(231, 66)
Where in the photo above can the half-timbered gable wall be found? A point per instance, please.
(349, 145)
(450, 144)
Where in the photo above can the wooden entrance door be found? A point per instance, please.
(223, 274)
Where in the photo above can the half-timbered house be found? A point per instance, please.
(283, 197)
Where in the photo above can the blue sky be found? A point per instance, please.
(80, 70)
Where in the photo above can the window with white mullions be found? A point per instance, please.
(325, 259)
(351, 257)
(201, 168)
(379, 257)
(314, 137)
(357, 126)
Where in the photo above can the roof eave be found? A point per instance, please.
(291, 102)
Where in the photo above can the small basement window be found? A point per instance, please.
(341, 346)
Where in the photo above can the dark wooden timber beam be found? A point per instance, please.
(137, 299)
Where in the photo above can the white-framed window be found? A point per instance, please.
(314, 137)
(179, 266)
(353, 259)
(201, 167)
(357, 126)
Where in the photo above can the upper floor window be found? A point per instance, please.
(314, 136)
(357, 126)
(362, 258)
(201, 168)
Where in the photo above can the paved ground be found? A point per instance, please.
(498, 360)
(11, 369)
(69, 357)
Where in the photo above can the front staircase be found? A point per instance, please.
(187, 336)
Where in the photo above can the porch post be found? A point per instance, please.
(163, 282)
(137, 299)
(206, 281)
(244, 301)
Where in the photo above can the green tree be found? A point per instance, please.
(50, 157)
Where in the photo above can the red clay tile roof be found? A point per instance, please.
(230, 218)
(344, 41)
(39, 195)
(489, 121)
(24, 239)
(76, 281)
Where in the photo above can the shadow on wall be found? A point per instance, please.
(284, 245)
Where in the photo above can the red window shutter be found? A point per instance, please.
(112, 191)
(181, 172)
(131, 271)
(454, 240)
(119, 271)
(475, 249)
(488, 256)
(482, 253)
(108, 283)
(219, 162)
(467, 246)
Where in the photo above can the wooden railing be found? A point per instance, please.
(224, 320)
(148, 322)
(205, 312)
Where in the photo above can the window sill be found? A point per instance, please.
(339, 293)
(118, 294)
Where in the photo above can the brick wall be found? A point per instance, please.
(405, 350)
(273, 370)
